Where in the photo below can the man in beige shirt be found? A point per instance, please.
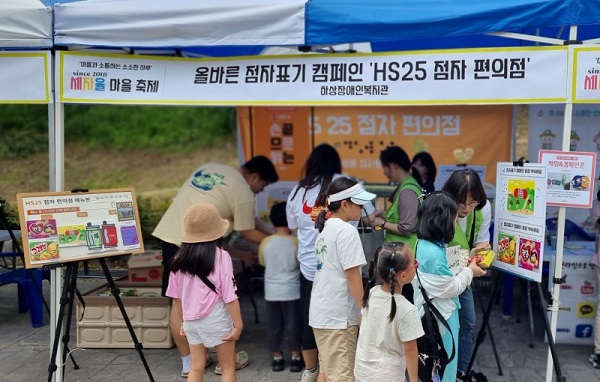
(232, 191)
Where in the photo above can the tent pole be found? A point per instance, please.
(57, 183)
(560, 234)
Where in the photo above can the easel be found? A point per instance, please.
(486, 318)
(543, 303)
(66, 301)
(110, 225)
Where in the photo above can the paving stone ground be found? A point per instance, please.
(25, 351)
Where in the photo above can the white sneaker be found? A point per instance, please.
(308, 376)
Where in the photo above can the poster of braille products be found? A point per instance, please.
(520, 219)
(61, 227)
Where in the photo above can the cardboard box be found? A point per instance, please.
(146, 267)
(103, 326)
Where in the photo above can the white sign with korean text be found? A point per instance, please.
(520, 219)
(24, 77)
(586, 78)
(570, 177)
(471, 76)
(445, 171)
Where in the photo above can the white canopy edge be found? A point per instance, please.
(148, 23)
(25, 24)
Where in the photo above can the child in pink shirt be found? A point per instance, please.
(203, 289)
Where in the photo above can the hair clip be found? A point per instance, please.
(424, 196)
(392, 270)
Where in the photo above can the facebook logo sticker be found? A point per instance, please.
(583, 331)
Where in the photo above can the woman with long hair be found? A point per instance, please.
(424, 163)
(305, 202)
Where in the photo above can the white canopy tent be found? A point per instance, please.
(189, 24)
(25, 24)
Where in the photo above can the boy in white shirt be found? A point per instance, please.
(278, 254)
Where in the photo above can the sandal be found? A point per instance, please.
(209, 361)
(241, 361)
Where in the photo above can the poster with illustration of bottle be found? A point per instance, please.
(63, 227)
(520, 213)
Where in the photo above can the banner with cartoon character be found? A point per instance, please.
(570, 177)
(545, 128)
(62, 227)
(520, 213)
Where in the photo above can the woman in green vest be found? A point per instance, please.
(472, 233)
(401, 218)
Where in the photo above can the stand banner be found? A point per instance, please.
(467, 76)
(520, 216)
(25, 77)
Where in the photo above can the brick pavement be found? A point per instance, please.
(24, 351)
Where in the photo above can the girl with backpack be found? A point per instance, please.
(203, 289)
(436, 224)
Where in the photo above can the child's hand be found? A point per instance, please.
(477, 271)
(234, 335)
(181, 331)
(479, 247)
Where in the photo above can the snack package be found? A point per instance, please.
(484, 258)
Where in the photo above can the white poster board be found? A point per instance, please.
(25, 77)
(62, 227)
(520, 215)
(570, 177)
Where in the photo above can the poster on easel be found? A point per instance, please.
(61, 227)
(520, 211)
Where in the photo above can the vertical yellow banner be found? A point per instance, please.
(279, 133)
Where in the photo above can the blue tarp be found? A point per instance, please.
(342, 21)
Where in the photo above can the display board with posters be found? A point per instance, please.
(570, 177)
(520, 216)
(62, 227)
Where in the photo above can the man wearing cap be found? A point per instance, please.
(232, 191)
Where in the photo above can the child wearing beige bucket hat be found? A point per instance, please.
(203, 289)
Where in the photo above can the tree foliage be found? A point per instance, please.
(24, 128)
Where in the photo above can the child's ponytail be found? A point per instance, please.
(371, 281)
(338, 185)
(392, 259)
(320, 220)
(393, 284)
